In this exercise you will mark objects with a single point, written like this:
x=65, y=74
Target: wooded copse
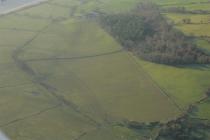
x=185, y=129
x=145, y=32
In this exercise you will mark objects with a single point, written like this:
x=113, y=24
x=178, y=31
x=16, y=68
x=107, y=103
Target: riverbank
x=23, y=6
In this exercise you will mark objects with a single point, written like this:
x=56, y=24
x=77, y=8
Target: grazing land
x=64, y=77
x=195, y=77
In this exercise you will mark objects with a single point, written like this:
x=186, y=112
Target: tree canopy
x=145, y=32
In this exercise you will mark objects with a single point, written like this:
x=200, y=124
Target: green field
x=64, y=77
x=177, y=2
x=186, y=84
x=204, y=44
x=76, y=80
x=191, y=81
x=177, y=18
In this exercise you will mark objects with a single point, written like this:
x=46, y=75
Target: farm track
x=74, y=58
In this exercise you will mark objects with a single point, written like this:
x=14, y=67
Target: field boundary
x=74, y=58
x=30, y=115
x=155, y=83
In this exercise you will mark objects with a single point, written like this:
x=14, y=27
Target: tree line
x=145, y=32
x=183, y=128
x=183, y=10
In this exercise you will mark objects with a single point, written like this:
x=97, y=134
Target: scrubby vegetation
x=185, y=129
x=145, y=32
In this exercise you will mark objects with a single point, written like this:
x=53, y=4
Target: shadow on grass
x=202, y=67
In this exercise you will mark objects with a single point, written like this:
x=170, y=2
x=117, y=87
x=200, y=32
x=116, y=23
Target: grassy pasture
x=107, y=87
x=118, y=5
x=69, y=3
x=108, y=6
x=6, y=52
x=47, y=11
x=195, y=18
x=124, y=96
x=177, y=2
x=59, y=123
x=21, y=23
x=115, y=94
x=188, y=6
x=199, y=26
x=110, y=84
x=195, y=30
x=25, y=105
x=203, y=110
x=17, y=37
x=43, y=10
x=61, y=40
x=204, y=6
x=116, y=133
x=203, y=44
x=8, y=71
x=22, y=100
x=190, y=82
x=185, y=84
x=87, y=7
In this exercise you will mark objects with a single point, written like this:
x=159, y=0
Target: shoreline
x=21, y=7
